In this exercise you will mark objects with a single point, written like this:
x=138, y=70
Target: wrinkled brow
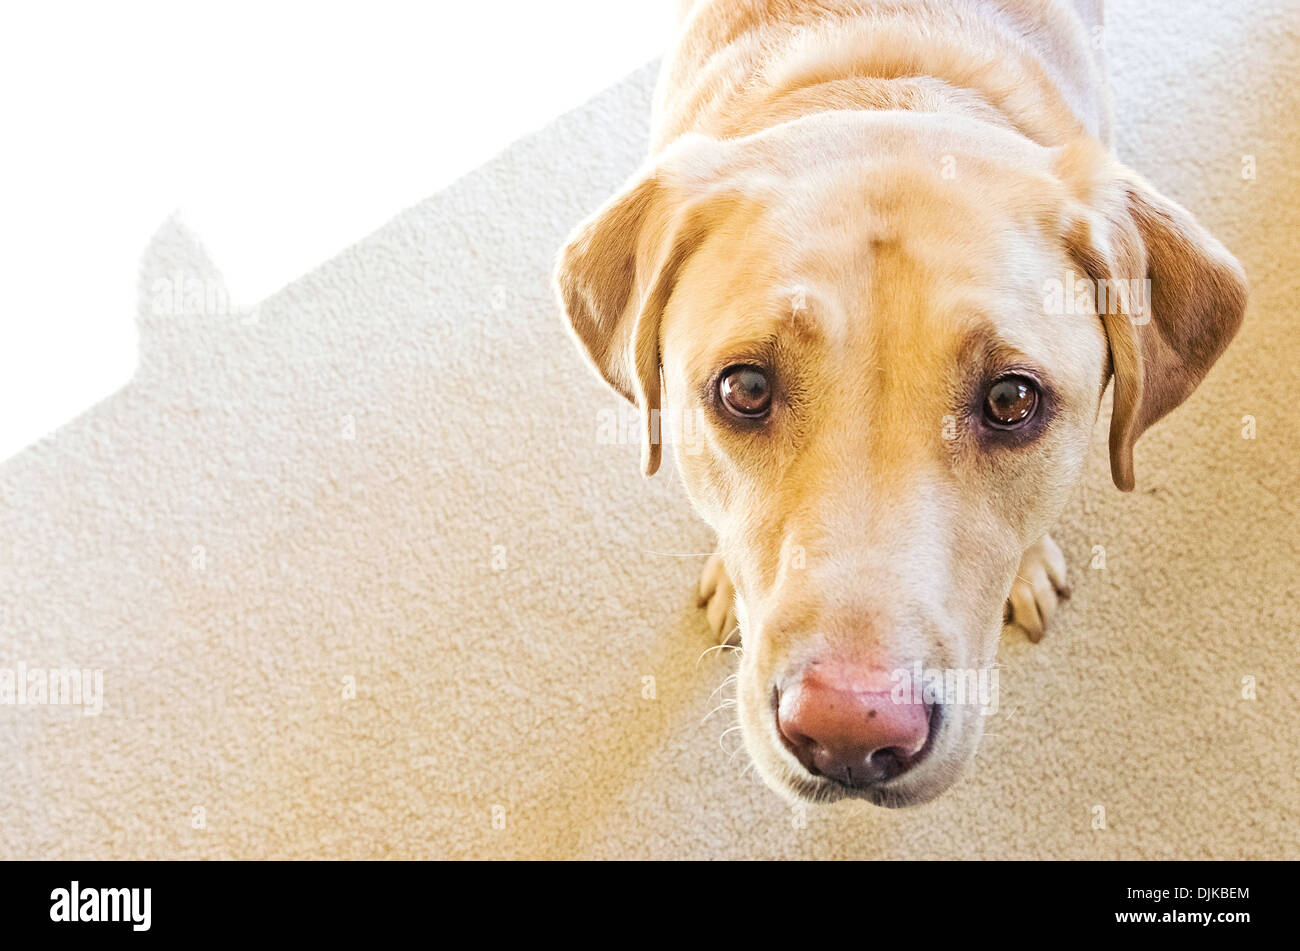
x=791, y=318
x=982, y=345
x=798, y=315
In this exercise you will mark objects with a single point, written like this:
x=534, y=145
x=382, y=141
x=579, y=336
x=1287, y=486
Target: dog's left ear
x=618, y=269
x=1169, y=295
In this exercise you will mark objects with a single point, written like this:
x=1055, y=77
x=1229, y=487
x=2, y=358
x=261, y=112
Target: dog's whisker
x=722, y=747
x=715, y=647
x=722, y=706
x=731, y=679
x=736, y=752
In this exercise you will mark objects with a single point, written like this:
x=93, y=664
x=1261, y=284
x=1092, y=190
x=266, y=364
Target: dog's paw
x=1038, y=589
x=718, y=598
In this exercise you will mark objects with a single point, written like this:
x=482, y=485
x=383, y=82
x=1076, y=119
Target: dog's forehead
x=892, y=285
x=911, y=265
x=886, y=254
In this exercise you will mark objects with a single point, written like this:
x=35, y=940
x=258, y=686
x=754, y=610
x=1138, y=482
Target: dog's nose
x=841, y=725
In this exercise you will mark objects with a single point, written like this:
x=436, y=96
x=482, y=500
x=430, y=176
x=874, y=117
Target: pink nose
x=844, y=724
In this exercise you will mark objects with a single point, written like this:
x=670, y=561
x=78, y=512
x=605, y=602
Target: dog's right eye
x=745, y=391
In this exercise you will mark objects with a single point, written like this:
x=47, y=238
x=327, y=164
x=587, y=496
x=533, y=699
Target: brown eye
x=1011, y=401
x=745, y=391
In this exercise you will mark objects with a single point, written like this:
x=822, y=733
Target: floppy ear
x=1169, y=295
x=614, y=278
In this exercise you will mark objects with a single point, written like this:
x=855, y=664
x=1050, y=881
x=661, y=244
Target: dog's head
x=889, y=337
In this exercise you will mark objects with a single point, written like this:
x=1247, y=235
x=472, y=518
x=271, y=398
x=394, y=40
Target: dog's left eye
x=1011, y=401
x=745, y=391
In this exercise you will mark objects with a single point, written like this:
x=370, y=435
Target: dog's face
x=872, y=332
x=883, y=419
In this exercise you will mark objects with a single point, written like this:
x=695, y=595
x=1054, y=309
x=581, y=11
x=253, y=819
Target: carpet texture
x=363, y=580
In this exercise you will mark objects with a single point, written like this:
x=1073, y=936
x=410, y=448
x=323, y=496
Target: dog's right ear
x=618, y=269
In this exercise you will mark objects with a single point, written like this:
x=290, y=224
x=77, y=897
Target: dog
x=883, y=254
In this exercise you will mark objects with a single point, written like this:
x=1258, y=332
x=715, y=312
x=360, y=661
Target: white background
x=281, y=131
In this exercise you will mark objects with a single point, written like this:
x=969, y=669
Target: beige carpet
x=391, y=473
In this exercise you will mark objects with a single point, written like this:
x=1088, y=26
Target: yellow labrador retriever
x=884, y=259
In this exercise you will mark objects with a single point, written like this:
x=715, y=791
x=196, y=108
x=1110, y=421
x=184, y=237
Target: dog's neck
x=1033, y=73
